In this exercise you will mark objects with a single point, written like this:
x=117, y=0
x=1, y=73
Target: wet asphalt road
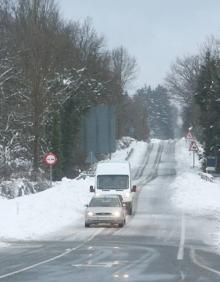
x=158, y=243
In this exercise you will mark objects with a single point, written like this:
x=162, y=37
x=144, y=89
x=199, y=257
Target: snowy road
x=159, y=243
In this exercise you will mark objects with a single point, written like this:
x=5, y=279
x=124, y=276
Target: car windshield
x=105, y=202
x=112, y=182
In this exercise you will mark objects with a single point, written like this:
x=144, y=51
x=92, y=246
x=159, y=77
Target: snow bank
x=191, y=193
x=124, y=147
x=32, y=216
x=196, y=196
x=4, y=245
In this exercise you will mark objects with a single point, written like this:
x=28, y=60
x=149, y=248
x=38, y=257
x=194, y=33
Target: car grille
x=103, y=213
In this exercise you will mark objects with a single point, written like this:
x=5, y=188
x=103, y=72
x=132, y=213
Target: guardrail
x=206, y=176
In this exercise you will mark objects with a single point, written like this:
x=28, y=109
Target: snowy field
x=192, y=194
x=32, y=216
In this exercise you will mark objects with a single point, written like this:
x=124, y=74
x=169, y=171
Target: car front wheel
x=122, y=224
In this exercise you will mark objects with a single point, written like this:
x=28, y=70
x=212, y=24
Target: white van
x=115, y=178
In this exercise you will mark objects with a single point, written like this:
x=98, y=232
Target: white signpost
x=50, y=159
x=194, y=148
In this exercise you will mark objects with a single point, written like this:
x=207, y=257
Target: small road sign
x=189, y=135
x=50, y=159
x=193, y=146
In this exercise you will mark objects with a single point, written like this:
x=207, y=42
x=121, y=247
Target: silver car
x=105, y=209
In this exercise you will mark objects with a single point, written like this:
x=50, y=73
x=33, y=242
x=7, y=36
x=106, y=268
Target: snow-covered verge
x=192, y=194
x=33, y=216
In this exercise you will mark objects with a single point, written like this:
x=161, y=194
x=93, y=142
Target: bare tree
x=182, y=79
x=124, y=67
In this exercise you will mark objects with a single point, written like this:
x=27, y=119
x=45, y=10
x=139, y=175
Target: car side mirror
x=92, y=189
x=134, y=188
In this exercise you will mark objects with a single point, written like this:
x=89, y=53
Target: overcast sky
x=154, y=31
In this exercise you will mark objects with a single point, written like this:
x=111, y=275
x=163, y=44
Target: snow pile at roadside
x=33, y=216
x=4, y=245
x=192, y=194
x=124, y=142
x=124, y=148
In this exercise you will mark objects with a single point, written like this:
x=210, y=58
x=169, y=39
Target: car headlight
x=116, y=214
x=90, y=213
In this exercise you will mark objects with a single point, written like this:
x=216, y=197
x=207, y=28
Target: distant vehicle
x=115, y=178
x=105, y=209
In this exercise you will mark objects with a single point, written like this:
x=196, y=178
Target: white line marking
x=180, y=253
x=68, y=251
x=103, y=264
x=182, y=276
x=195, y=261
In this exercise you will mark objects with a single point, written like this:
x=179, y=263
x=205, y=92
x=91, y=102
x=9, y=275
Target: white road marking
x=68, y=251
x=195, y=261
x=180, y=253
x=183, y=276
x=103, y=264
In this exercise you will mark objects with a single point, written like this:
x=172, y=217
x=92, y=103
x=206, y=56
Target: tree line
x=51, y=73
x=194, y=81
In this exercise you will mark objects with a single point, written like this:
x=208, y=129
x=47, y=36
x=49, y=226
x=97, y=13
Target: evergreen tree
x=207, y=97
x=159, y=111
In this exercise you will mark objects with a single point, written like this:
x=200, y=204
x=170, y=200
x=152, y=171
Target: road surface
x=158, y=243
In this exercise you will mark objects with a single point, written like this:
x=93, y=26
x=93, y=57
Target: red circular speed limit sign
x=50, y=159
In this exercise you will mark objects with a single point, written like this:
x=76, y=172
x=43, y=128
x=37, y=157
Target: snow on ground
x=30, y=217
x=138, y=155
x=33, y=216
x=191, y=193
x=4, y=245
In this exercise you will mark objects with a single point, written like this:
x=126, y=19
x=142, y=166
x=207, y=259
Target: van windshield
x=110, y=182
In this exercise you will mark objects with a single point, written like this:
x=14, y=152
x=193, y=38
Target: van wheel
x=87, y=224
x=121, y=224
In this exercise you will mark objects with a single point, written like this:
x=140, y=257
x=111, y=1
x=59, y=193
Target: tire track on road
x=151, y=172
x=146, y=158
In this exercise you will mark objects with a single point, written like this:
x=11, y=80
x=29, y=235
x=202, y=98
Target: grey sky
x=154, y=31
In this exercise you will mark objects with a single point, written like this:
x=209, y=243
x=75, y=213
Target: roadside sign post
x=194, y=148
x=50, y=159
x=51, y=175
x=193, y=159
